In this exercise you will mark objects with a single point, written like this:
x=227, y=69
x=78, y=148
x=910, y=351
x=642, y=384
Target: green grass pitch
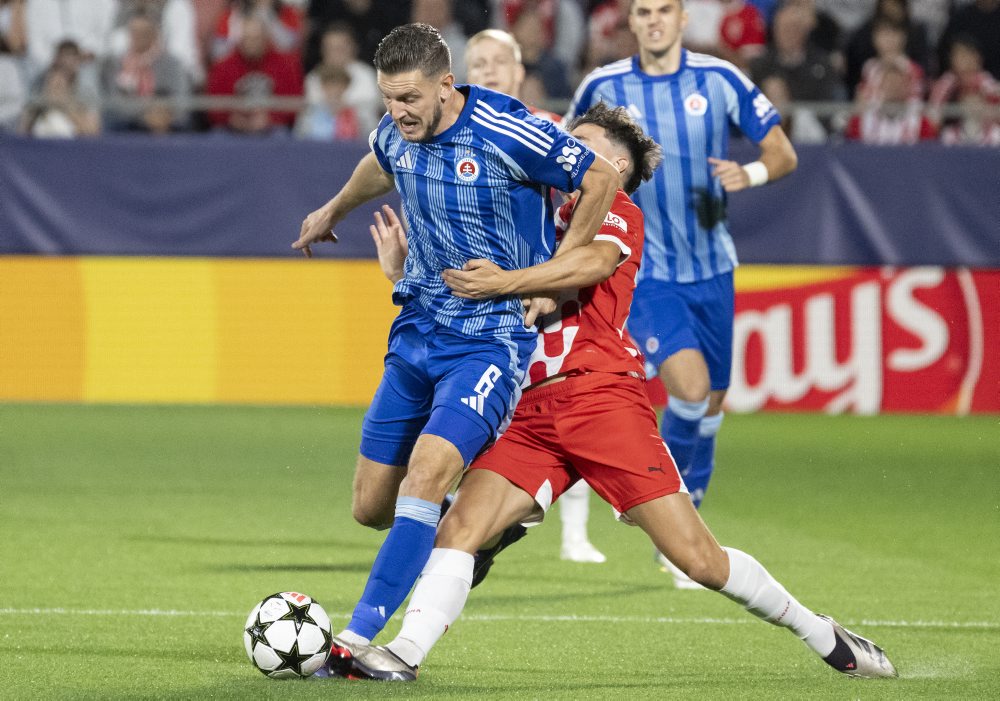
x=136, y=539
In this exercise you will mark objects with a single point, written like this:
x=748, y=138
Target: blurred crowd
x=876, y=71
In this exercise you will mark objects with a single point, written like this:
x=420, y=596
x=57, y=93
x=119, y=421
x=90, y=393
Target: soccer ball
x=287, y=635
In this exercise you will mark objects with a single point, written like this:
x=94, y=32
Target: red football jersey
x=586, y=332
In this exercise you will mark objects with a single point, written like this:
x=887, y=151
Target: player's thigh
x=376, y=486
x=713, y=307
x=685, y=375
x=609, y=432
x=677, y=531
x=435, y=465
x=661, y=322
x=484, y=506
x=477, y=389
x=398, y=412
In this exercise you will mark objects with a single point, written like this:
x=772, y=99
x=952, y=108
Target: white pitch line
x=676, y=620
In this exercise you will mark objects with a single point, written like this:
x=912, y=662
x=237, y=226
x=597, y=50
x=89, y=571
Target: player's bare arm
x=582, y=267
x=777, y=159
x=367, y=182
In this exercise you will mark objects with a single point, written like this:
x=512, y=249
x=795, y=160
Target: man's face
x=597, y=139
x=415, y=102
x=657, y=24
x=338, y=49
x=491, y=63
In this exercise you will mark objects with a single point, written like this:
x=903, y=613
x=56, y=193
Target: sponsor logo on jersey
x=405, y=162
x=467, y=170
x=616, y=221
x=696, y=105
x=569, y=156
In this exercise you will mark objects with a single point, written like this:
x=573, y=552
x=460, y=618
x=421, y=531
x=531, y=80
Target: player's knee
x=371, y=515
x=708, y=570
x=460, y=531
x=691, y=389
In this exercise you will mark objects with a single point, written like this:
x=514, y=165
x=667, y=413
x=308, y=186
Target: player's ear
x=446, y=86
x=621, y=164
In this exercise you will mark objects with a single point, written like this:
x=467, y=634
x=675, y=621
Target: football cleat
x=484, y=556
x=681, y=580
x=372, y=662
x=581, y=551
x=341, y=658
x=856, y=656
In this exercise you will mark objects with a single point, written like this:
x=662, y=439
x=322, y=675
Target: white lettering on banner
x=917, y=318
x=859, y=376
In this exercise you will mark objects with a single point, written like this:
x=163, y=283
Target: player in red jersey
x=493, y=59
x=585, y=416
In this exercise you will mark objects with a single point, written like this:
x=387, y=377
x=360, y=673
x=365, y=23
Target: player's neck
x=452, y=110
x=653, y=63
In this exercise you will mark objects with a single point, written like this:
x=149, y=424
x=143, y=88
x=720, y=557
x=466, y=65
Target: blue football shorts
x=667, y=317
x=438, y=381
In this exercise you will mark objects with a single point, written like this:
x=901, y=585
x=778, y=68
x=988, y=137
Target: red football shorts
x=599, y=427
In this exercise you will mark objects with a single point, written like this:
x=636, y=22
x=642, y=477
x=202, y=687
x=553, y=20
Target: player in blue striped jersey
x=682, y=313
x=473, y=168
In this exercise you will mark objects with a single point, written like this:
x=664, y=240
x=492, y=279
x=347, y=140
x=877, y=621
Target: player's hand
x=731, y=174
x=478, y=279
x=316, y=227
x=390, y=242
x=537, y=306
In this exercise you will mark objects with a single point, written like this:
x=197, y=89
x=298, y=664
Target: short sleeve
x=621, y=227
x=376, y=141
x=753, y=113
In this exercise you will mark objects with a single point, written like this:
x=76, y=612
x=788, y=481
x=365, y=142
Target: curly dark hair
x=411, y=47
x=644, y=153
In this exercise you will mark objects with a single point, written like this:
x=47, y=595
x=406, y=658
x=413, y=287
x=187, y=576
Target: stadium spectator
x=805, y=69
x=13, y=27
x=13, y=79
x=369, y=19
x=609, y=38
x=864, y=44
x=702, y=31
x=800, y=123
x=454, y=366
x=968, y=85
x=255, y=72
x=438, y=14
x=529, y=31
x=889, y=38
x=178, y=32
x=848, y=14
x=682, y=312
x=84, y=74
x=560, y=433
x=283, y=22
x=145, y=70
x=88, y=24
x=826, y=33
x=742, y=32
x=494, y=61
x=56, y=112
x=339, y=49
x=980, y=20
x=895, y=118
x=561, y=32
x=334, y=118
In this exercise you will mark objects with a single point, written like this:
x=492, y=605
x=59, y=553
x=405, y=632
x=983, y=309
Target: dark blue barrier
x=222, y=196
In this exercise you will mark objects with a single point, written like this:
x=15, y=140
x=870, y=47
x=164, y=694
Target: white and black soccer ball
x=287, y=635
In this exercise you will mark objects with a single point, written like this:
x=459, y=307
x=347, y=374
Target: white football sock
x=574, y=509
x=437, y=600
x=752, y=586
x=349, y=636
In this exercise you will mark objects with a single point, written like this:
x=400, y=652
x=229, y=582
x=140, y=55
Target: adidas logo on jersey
x=476, y=402
x=634, y=112
x=405, y=161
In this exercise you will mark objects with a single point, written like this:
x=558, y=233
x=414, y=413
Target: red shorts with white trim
x=599, y=427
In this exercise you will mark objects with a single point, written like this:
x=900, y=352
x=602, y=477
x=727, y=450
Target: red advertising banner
x=866, y=340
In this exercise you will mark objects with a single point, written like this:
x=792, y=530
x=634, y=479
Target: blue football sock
x=680, y=430
x=703, y=461
x=399, y=562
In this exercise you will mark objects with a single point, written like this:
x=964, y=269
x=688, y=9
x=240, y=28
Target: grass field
x=136, y=539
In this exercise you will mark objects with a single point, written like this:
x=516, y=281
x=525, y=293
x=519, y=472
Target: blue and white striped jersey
x=688, y=113
x=478, y=190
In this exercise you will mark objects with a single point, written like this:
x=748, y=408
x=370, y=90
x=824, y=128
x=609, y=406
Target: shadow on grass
x=290, y=567
x=251, y=542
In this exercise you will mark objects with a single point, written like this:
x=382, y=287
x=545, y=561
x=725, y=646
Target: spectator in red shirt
x=255, y=71
x=968, y=84
x=742, y=33
x=283, y=23
x=896, y=118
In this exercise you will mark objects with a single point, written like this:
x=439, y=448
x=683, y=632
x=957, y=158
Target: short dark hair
x=412, y=47
x=618, y=125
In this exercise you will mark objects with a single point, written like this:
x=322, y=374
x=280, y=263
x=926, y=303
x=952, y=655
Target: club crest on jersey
x=695, y=104
x=467, y=169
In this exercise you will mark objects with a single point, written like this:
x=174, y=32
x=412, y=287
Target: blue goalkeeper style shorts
x=438, y=381
x=667, y=317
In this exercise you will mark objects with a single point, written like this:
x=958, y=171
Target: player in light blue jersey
x=473, y=168
x=682, y=312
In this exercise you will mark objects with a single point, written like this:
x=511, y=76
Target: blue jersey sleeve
x=752, y=112
x=535, y=150
x=377, y=140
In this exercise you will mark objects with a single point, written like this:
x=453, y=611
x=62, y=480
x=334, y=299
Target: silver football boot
x=856, y=656
x=374, y=662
